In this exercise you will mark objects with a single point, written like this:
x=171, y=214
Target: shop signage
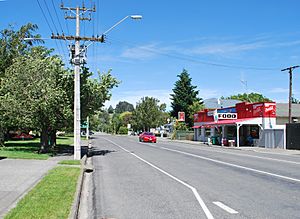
x=181, y=116
x=227, y=115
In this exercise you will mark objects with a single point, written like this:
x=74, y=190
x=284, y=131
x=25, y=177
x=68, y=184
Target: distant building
x=283, y=113
x=215, y=103
x=243, y=124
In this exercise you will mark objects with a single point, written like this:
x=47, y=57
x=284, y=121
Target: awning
x=249, y=121
x=196, y=127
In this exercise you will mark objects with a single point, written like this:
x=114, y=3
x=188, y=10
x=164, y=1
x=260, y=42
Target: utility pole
x=77, y=61
x=290, y=69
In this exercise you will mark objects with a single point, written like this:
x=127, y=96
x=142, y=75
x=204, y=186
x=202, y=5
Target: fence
x=184, y=135
x=293, y=136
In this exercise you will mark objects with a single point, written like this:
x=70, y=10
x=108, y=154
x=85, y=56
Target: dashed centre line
x=194, y=190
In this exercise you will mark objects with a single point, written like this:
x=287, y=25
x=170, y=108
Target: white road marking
x=195, y=192
x=242, y=155
x=226, y=208
x=254, y=156
x=235, y=165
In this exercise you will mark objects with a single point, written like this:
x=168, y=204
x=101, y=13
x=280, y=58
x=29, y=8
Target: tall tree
x=184, y=95
x=252, y=97
x=12, y=45
x=124, y=106
x=110, y=109
x=32, y=95
x=147, y=114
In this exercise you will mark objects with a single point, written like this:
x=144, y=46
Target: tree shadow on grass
x=32, y=147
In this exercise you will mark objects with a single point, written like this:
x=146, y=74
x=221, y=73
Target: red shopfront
x=241, y=124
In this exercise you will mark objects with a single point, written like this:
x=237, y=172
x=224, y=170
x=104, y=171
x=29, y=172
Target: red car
x=147, y=137
x=22, y=136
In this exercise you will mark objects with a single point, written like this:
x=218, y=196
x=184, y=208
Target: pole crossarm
x=63, y=37
x=80, y=9
x=291, y=68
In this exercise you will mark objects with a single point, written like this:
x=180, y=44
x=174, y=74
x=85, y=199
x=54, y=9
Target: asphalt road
x=179, y=180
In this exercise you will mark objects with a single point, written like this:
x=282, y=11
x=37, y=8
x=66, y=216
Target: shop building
x=245, y=124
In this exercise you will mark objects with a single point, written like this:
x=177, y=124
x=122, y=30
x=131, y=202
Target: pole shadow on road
x=93, y=152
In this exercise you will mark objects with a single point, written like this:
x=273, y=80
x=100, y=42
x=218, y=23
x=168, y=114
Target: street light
x=134, y=17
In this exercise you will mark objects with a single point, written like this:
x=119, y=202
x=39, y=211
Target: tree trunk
x=44, y=140
x=2, y=134
x=52, y=138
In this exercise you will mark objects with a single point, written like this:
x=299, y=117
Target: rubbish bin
x=214, y=140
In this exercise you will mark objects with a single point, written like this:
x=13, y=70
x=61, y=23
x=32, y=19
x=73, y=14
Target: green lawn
x=51, y=198
x=29, y=149
x=70, y=162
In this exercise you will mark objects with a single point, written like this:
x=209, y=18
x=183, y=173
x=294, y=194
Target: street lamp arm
x=136, y=17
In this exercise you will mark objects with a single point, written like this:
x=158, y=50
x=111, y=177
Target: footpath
x=19, y=176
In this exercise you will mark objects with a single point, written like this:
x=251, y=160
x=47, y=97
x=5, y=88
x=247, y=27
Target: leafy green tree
x=110, y=109
x=12, y=45
x=32, y=95
x=195, y=107
x=252, y=97
x=124, y=106
x=116, y=123
x=147, y=114
x=184, y=95
x=93, y=92
x=126, y=118
x=100, y=121
x=295, y=100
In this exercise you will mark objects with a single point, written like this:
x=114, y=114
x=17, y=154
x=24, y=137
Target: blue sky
x=220, y=43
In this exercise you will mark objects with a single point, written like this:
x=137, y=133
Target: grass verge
x=29, y=149
x=51, y=198
x=70, y=162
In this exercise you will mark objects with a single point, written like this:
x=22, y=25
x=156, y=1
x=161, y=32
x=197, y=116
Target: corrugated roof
x=215, y=103
x=282, y=110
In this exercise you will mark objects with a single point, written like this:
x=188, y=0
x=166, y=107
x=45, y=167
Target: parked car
x=22, y=136
x=147, y=137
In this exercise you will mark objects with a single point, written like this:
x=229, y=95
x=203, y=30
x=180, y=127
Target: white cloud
x=279, y=90
x=140, y=52
x=224, y=48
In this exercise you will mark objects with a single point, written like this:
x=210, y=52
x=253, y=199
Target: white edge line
x=195, y=192
x=234, y=165
x=226, y=208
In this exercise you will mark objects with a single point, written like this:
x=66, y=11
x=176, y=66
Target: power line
x=192, y=59
x=50, y=16
x=57, y=16
x=66, y=23
x=44, y=15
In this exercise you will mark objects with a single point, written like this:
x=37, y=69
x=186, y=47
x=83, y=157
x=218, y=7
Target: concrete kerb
x=74, y=210
x=86, y=167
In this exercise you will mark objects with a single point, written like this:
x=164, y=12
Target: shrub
x=123, y=130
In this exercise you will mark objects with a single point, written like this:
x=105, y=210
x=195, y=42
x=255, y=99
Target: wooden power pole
x=290, y=69
x=77, y=60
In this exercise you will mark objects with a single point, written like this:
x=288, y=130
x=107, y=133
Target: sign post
x=181, y=116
